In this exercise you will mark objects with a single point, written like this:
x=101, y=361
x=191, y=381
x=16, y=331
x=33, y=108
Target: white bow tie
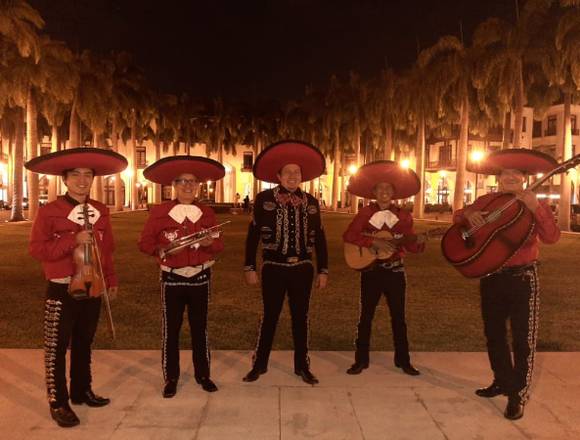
x=76, y=214
x=180, y=212
x=384, y=217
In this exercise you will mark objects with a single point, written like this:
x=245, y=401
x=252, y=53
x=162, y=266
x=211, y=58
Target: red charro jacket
x=161, y=229
x=52, y=240
x=402, y=226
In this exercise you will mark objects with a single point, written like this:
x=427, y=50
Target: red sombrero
x=523, y=159
x=165, y=170
x=405, y=182
x=102, y=162
x=274, y=157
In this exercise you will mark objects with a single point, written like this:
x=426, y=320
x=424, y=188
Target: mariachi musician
x=287, y=221
x=384, y=181
x=59, y=233
x=186, y=273
x=512, y=293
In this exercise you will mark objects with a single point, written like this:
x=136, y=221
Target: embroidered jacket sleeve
x=45, y=244
x=320, y=245
x=253, y=237
x=548, y=230
x=359, y=224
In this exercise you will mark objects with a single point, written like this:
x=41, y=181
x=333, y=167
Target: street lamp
x=405, y=164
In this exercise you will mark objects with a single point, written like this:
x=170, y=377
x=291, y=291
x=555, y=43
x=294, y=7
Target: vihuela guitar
x=360, y=258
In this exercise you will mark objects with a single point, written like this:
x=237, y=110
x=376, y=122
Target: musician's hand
x=529, y=198
x=112, y=291
x=321, y=280
x=251, y=277
x=476, y=218
x=381, y=244
x=84, y=237
x=207, y=241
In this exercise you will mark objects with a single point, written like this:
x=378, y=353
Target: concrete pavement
x=381, y=403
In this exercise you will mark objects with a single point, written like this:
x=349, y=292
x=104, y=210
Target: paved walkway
x=381, y=403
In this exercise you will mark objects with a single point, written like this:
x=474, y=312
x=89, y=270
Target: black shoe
x=408, y=369
x=64, y=416
x=357, y=368
x=491, y=391
x=170, y=388
x=514, y=409
x=254, y=374
x=306, y=376
x=91, y=399
x=207, y=384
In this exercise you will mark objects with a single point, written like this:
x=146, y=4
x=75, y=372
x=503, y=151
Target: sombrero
x=523, y=159
x=404, y=181
x=165, y=170
x=102, y=162
x=275, y=156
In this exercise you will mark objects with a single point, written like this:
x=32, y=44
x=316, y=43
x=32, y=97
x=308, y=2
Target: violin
x=88, y=280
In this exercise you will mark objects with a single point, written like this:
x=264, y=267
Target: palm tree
x=19, y=24
x=451, y=66
x=562, y=68
x=334, y=123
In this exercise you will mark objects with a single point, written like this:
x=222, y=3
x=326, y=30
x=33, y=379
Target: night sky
x=272, y=49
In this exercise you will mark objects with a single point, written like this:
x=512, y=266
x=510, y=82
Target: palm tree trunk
x=519, y=111
x=219, y=185
x=419, y=204
x=354, y=199
x=157, y=186
x=17, y=170
x=388, y=152
x=134, y=189
x=506, y=130
x=32, y=147
x=335, y=171
x=565, y=182
x=52, y=181
x=461, y=155
x=97, y=189
x=119, y=198
x=74, y=131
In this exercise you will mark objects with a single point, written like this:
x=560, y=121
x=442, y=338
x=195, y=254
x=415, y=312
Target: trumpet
x=189, y=240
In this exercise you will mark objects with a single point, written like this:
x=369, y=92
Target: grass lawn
x=442, y=307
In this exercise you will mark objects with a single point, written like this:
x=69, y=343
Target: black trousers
x=67, y=319
x=511, y=296
x=177, y=293
x=277, y=281
x=392, y=284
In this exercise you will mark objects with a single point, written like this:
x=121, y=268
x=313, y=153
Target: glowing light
x=352, y=169
x=138, y=184
x=443, y=174
x=468, y=191
x=476, y=155
x=540, y=175
x=208, y=183
x=128, y=173
x=405, y=164
x=3, y=169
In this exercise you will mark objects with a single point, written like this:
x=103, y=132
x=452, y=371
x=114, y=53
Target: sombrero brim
x=523, y=159
x=274, y=157
x=102, y=162
x=405, y=181
x=165, y=170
